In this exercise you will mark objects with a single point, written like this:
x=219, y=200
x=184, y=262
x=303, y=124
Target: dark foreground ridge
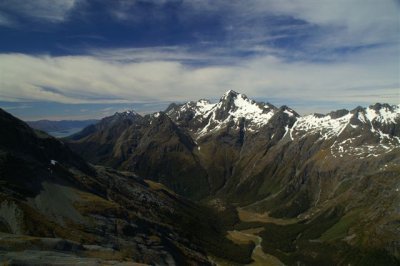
x=56, y=208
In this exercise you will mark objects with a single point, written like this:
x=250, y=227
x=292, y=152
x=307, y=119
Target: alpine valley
x=236, y=182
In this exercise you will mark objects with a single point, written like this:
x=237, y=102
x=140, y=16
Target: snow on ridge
x=326, y=125
x=243, y=107
x=288, y=112
x=370, y=114
x=233, y=107
x=127, y=112
x=362, y=117
x=384, y=114
x=256, y=114
x=251, y=111
x=330, y=127
x=203, y=107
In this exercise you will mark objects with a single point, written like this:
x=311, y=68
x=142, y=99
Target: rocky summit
x=227, y=183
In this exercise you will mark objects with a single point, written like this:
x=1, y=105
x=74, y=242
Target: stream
x=260, y=258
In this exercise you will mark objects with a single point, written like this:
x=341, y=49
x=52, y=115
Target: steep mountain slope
x=233, y=132
x=152, y=146
x=332, y=169
x=339, y=170
x=246, y=147
x=56, y=207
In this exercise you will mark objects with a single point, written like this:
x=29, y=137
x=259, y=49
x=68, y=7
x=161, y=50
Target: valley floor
x=260, y=258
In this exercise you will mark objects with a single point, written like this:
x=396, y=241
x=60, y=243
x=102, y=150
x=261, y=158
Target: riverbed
x=259, y=257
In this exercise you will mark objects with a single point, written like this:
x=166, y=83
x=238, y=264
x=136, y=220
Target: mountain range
x=228, y=182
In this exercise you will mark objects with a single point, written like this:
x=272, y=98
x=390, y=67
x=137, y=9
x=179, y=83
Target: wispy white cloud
x=107, y=109
x=5, y=20
x=161, y=53
x=366, y=76
x=46, y=10
x=314, y=28
x=348, y=52
x=329, y=24
x=354, y=22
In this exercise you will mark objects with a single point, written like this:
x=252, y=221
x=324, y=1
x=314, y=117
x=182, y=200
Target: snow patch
x=251, y=111
x=383, y=115
x=288, y=113
x=325, y=125
x=203, y=107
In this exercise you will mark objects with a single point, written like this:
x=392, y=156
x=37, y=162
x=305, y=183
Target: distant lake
x=64, y=133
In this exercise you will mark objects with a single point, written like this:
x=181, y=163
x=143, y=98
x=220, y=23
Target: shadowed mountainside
x=55, y=206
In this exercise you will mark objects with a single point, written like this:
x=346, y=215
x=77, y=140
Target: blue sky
x=78, y=59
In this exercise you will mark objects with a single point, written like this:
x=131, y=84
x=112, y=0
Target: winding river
x=244, y=236
x=260, y=258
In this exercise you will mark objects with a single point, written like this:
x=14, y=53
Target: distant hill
x=61, y=128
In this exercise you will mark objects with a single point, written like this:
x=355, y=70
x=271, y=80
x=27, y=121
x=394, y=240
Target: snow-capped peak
x=334, y=123
x=383, y=113
x=232, y=107
x=238, y=112
x=229, y=93
x=363, y=131
x=127, y=113
x=242, y=107
x=119, y=116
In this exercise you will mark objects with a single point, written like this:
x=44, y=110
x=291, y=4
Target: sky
x=80, y=59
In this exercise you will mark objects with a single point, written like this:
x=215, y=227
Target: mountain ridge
x=286, y=165
x=234, y=114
